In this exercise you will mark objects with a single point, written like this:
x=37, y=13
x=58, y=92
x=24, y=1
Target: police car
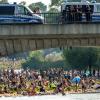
x=15, y=13
x=93, y=5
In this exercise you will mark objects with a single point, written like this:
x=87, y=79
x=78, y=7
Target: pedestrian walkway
x=58, y=97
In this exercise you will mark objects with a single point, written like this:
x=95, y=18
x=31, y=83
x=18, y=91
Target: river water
x=57, y=97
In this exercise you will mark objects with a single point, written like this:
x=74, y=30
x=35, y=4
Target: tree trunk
x=93, y=72
x=90, y=70
x=72, y=73
x=98, y=72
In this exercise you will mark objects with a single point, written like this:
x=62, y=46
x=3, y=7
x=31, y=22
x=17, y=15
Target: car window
x=23, y=11
x=98, y=8
x=7, y=10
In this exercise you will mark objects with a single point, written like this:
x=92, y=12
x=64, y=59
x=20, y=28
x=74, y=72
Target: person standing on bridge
x=79, y=13
x=37, y=11
x=72, y=13
x=88, y=13
x=67, y=13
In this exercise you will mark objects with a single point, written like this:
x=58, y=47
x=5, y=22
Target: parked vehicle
x=89, y=11
x=15, y=13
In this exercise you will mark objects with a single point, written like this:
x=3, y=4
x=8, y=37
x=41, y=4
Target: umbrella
x=76, y=79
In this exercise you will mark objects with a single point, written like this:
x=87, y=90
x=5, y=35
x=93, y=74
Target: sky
x=47, y=2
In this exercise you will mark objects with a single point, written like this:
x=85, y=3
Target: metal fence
x=60, y=18
x=52, y=18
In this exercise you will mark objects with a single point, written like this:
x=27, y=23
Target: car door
x=23, y=15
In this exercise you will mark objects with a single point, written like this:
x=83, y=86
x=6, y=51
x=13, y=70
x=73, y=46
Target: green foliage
x=53, y=10
x=56, y=2
x=53, y=16
x=97, y=64
x=32, y=63
x=36, y=61
x=56, y=64
x=92, y=55
x=37, y=54
x=22, y=3
x=80, y=58
x=75, y=58
x=40, y=5
x=4, y=1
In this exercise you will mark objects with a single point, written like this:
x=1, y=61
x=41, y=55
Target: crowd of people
x=76, y=13
x=52, y=81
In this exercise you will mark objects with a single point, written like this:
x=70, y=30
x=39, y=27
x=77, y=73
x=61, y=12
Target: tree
x=37, y=54
x=92, y=55
x=53, y=64
x=81, y=58
x=97, y=66
x=56, y=2
x=34, y=60
x=32, y=63
x=22, y=3
x=4, y=1
x=53, y=10
x=40, y=5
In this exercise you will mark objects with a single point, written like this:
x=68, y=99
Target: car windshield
x=98, y=8
x=7, y=10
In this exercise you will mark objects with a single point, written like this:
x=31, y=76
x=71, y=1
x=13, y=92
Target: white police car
x=15, y=13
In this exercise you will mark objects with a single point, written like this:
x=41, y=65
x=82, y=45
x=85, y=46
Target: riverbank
x=42, y=94
x=91, y=96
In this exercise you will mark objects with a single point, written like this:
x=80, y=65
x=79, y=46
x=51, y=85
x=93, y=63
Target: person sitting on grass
x=31, y=89
x=83, y=85
x=60, y=88
x=76, y=80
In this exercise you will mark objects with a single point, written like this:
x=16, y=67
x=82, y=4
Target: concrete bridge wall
x=27, y=37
